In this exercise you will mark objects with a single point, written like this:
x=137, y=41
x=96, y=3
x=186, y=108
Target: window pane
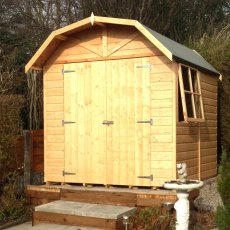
x=185, y=77
x=180, y=107
x=194, y=81
x=197, y=100
x=188, y=98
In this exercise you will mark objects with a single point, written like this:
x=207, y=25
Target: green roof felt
x=183, y=54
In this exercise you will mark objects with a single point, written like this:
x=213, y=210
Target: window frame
x=191, y=92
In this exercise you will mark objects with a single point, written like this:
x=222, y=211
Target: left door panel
x=84, y=112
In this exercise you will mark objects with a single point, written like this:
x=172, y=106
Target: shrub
x=151, y=218
x=224, y=179
x=223, y=212
x=222, y=217
x=11, y=201
x=10, y=129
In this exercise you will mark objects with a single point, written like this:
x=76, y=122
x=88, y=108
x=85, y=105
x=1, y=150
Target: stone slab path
x=28, y=226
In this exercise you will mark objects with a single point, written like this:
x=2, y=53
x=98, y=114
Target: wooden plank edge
x=66, y=219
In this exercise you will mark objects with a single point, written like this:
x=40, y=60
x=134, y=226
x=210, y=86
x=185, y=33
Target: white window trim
x=183, y=100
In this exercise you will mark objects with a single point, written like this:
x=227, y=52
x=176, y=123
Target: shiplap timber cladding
x=111, y=107
x=208, y=129
x=197, y=143
x=53, y=129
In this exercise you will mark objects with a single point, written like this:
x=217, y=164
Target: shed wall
x=163, y=131
x=53, y=129
x=197, y=142
x=208, y=129
x=187, y=143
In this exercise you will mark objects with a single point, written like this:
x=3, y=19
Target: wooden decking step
x=82, y=214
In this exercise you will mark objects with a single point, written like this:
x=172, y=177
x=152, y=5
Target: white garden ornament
x=182, y=187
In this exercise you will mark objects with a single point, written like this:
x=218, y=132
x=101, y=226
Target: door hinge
x=67, y=71
x=67, y=122
x=146, y=122
x=67, y=173
x=146, y=177
x=148, y=66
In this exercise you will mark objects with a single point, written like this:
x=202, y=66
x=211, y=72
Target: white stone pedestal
x=182, y=205
x=182, y=210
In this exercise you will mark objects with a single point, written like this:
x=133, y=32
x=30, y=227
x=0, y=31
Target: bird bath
x=182, y=187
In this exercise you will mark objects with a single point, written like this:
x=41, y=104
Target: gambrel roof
x=171, y=49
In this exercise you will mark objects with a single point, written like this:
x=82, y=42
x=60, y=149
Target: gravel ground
x=209, y=198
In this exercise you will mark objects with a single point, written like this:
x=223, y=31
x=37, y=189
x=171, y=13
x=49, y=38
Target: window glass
x=180, y=107
x=197, y=100
x=194, y=81
x=188, y=99
x=185, y=77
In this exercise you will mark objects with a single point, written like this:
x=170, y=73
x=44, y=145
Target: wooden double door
x=107, y=120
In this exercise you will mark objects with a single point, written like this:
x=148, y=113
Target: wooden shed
x=123, y=104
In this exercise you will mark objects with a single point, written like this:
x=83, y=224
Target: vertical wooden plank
x=112, y=142
x=130, y=125
x=146, y=116
x=79, y=103
x=27, y=153
x=143, y=151
x=138, y=117
x=123, y=122
x=45, y=117
x=97, y=173
x=109, y=161
x=70, y=114
x=175, y=89
x=88, y=119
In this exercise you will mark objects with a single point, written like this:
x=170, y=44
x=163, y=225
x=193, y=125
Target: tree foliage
x=10, y=128
x=216, y=49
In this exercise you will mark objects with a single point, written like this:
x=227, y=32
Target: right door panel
x=128, y=106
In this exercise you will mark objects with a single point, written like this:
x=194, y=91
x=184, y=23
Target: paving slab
x=86, y=209
x=28, y=226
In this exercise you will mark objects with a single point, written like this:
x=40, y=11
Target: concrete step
x=82, y=214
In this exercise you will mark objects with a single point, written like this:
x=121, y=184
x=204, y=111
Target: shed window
x=190, y=98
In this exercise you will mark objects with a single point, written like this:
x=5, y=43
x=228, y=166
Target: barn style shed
x=123, y=104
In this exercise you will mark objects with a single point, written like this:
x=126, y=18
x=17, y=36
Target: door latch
x=67, y=71
x=148, y=66
x=105, y=122
x=146, y=177
x=67, y=122
x=67, y=173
